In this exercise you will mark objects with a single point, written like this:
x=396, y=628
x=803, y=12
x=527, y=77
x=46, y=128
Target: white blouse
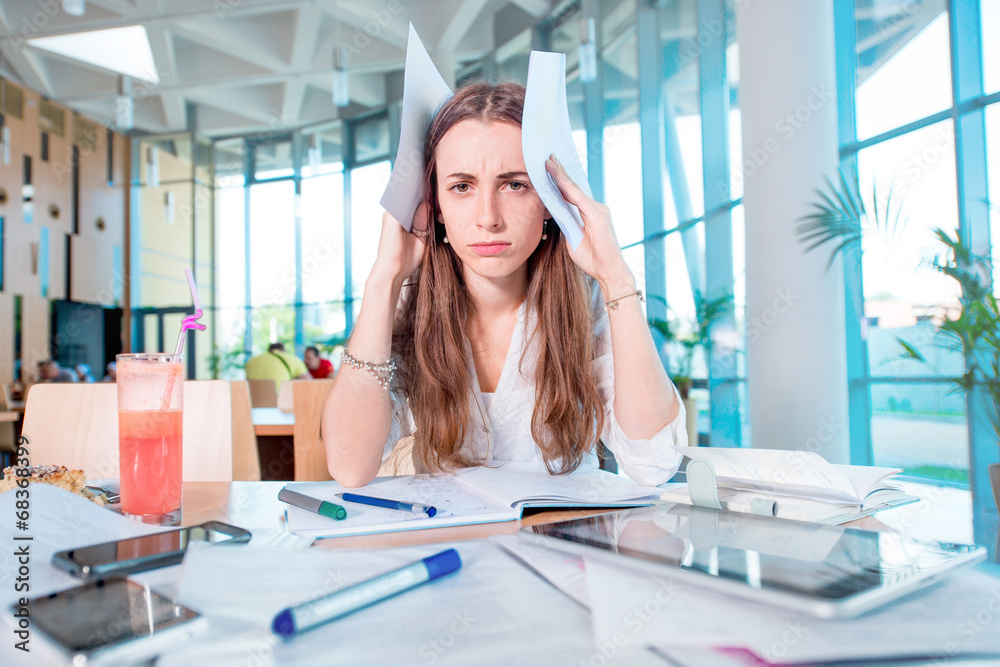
x=501, y=428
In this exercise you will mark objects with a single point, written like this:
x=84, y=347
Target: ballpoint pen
x=323, y=507
x=414, y=508
x=296, y=620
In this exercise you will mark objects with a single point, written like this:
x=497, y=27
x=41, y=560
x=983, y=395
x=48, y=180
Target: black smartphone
x=112, y=621
x=144, y=553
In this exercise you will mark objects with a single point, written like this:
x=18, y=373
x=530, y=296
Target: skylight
x=122, y=50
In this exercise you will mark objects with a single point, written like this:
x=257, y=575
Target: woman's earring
x=545, y=229
x=446, y=240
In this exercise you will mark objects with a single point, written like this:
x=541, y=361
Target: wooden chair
x=76, y=425
x=246, y=461
x=263, y=394
x=8, y=440
x=310, y=456
x=286, y=395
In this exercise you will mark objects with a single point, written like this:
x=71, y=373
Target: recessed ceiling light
x=121, y=50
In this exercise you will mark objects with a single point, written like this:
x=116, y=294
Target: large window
x=993, y=170
x=903, y=63
x=990, y=21
x=272, y=262
x=905, y=152
x=367, y=185
x=903, y=292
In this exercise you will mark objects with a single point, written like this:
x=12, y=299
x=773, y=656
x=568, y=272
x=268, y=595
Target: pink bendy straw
x=191, y=321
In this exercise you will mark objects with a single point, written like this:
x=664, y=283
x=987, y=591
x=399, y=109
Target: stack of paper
x=493, y=611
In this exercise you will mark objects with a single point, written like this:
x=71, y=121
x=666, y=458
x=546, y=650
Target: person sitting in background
x=111, y=372
x=319, y=367
x=51, y=372
x=83, y=373
x=277, y=365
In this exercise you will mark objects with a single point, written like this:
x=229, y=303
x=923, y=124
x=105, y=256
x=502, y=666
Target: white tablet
x=820, y=570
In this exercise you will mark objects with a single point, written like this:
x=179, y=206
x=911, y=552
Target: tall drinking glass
x=150, y=422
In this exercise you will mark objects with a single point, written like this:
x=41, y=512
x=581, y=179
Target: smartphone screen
x=105, y=614
x=144, y=553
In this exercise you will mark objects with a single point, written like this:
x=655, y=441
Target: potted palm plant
x=841, y=216
x=686, y=338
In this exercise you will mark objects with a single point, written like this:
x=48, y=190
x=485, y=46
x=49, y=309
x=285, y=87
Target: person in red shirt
x=318, y=367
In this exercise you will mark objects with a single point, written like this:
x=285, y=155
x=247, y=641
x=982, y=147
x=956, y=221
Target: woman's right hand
x=399, y=251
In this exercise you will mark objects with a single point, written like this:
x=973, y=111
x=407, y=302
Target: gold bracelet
x=613, y=303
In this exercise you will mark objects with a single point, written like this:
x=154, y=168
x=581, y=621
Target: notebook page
x=515, y=485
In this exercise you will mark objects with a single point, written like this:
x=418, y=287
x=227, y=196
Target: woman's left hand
x=598, y=253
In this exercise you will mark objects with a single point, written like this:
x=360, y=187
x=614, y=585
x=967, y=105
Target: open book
x=795, y=485
x=474, y=495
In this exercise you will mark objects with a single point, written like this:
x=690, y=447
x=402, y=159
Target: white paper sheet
x=564, y=571
x=424, y=91
x=545, y=129
x=57, y=520
x=492, y=612
x=670, y=615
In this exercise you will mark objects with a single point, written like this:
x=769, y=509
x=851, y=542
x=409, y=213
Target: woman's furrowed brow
x=464, y=176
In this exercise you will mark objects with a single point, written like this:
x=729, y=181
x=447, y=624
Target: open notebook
x=795, y=485
x=475, y=495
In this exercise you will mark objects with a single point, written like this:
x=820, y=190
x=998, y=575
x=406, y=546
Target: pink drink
x=150, y=427
x=149, y=446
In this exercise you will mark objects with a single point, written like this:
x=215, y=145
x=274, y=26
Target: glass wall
x=900, y=44
x=990, y=22
x=993, y=171
x=905, y=154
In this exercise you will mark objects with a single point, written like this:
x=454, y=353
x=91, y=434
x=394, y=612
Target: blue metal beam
x=858, y=389
x=726, y=429
x=974, y=228
x=651, y=140
x=593, y=110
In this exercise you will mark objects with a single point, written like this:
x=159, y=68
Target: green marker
x=316, y=505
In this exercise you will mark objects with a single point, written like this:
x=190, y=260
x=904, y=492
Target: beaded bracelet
x=613, y=303
x=381, y=372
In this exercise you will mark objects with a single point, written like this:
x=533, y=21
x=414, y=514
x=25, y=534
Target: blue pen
x=296, y=620
x=415, y=508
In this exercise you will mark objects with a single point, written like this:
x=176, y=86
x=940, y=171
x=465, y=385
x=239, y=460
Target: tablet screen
x=813, y=562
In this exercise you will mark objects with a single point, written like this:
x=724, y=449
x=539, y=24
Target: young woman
x=507, y=345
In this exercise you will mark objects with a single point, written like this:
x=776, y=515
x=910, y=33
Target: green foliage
x=223, y=362
x=842, y=216
x=697, y=334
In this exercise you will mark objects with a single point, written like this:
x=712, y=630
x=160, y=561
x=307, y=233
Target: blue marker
x=296, y=620
x=415, y=508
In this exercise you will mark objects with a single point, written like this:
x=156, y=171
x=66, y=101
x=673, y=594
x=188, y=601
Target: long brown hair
x=431, y=328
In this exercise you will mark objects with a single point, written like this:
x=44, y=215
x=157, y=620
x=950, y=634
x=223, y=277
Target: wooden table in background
x=272, y=421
